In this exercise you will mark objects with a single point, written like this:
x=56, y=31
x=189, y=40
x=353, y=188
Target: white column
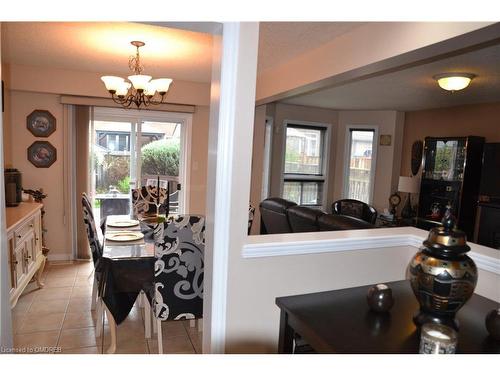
x=229, y=168
x=5, y=318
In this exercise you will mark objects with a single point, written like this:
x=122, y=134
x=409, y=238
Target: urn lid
x=447, y=240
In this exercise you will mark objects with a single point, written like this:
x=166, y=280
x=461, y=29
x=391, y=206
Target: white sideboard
x=24, y=243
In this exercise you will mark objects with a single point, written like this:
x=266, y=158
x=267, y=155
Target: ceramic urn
x=442, y=276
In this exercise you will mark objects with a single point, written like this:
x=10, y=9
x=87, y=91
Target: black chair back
x=273, y=213
x=179, y=268
x=90, y=227
x=251, y=214
x=144, y=199
x=356, y=209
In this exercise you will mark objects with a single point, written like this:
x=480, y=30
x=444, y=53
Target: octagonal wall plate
x=41, y=123
x=42, y=154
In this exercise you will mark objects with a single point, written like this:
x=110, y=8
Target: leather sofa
x=282, y=216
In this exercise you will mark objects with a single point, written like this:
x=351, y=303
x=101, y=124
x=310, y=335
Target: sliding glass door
x=130, y=149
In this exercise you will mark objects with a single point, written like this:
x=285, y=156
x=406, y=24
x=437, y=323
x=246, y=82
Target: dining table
x=126, y=269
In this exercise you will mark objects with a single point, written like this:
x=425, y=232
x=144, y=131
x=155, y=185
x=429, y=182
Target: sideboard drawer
x=24, y=230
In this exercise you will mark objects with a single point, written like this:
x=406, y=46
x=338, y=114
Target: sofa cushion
x=304, y=219
x=341, y=222
x=273, y=213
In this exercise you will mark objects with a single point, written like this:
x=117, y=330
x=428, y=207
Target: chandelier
x=141, y=90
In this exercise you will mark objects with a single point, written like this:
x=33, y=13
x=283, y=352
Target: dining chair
x=251, y=214
x=144, y=199
x=95, y=244
x=178, y=271
x=355, y=208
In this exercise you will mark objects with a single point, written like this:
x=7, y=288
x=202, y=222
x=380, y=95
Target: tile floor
x=59, y=316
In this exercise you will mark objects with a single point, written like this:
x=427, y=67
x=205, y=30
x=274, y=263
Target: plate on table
x=124, y=223
x=124, y=236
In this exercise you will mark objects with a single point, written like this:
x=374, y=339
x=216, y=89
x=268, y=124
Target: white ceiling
x=104, y=47
x=281, y=41
x=413, y=88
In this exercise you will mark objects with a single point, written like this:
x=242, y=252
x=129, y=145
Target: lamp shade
x=112, y=83
x=454, y=81
x=162, y=84
x=408, y=184
x=140, y=81
x=150, y=89
x=123, y=88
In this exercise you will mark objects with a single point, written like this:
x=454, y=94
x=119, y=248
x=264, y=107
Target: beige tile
x=130, y=347
x=59, y=282
x=85, y=350
x=51, y=294
x=82, y=292
x=172, y=345
x=22, y=307
x=84, y=281
x=80, y=319
x=197, y=341
x=191, y=330
x=43, y=322
x=78, y=338
x=36, y=340
x=172, y=329
x=47, y=307
x=125, y=332
x=17, y=322
x=79, y=304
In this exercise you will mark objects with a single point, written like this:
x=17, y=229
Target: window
x=359, y=166
x=304, y=167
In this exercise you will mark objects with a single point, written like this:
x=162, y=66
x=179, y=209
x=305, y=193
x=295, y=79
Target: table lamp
x=408, y=185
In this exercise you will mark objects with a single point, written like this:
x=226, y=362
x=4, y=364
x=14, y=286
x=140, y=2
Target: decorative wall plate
x=42, y=154
x=41, y=123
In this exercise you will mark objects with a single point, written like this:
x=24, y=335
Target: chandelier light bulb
x=123, y=89
x=454, y=81
x=112, y=83
x=162, y=85
x=139, y=81
x=141, y=90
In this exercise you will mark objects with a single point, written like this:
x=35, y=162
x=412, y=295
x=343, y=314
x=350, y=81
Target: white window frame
x=266, y=163
x=347, y=158
x=326, y=154
x=185, y=119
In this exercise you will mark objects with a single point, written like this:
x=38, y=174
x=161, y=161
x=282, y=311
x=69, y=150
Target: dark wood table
x=340, y=321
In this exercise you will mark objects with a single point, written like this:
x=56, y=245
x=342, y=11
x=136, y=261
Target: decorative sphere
x=379, y=298
x=493, y=323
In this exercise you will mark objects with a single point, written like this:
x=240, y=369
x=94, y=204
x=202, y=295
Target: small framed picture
x=41, y=123
x=42, y=154
x=385, y=140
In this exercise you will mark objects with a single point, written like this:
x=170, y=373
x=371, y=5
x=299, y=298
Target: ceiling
x=414, y=88
x=281, y=41
x=104, y=47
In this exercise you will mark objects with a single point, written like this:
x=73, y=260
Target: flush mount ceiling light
x=454, y=81
x=141, y=90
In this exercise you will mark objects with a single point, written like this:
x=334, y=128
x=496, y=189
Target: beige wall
x=388, y=157
x=259, y=129
x=42, y=94
x=475, y=119
x=252, y=315
x=199, y=155
x=50, y=179
x=298, y=113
